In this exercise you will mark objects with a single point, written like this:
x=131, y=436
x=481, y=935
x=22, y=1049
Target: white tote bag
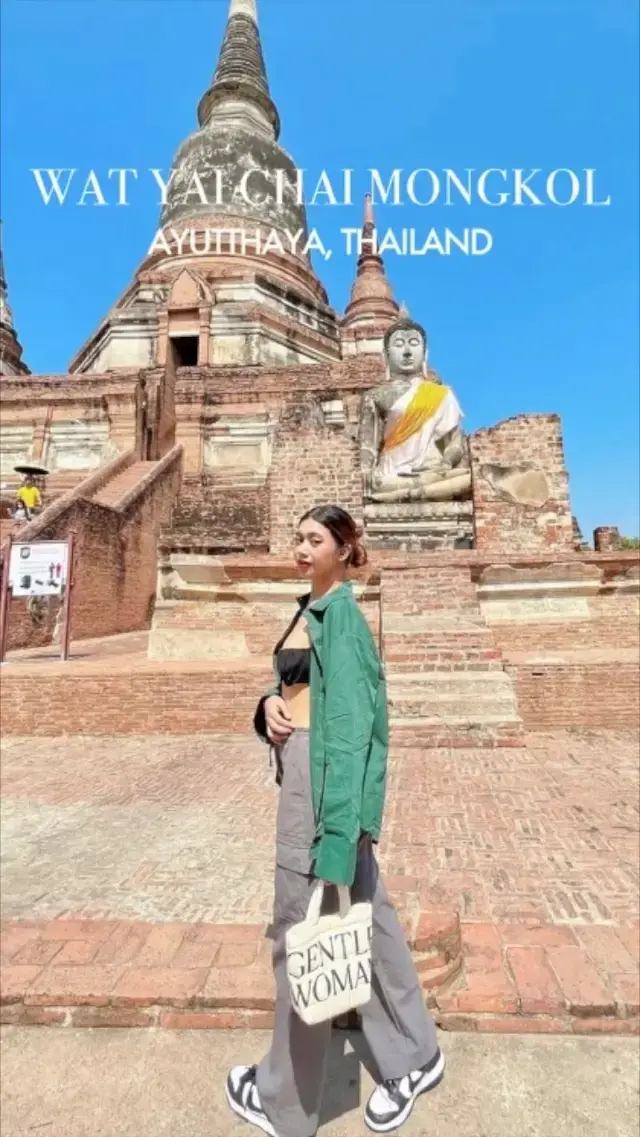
x=329, y=959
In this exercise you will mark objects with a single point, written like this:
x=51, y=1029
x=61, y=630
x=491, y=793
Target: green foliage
x=630, y=542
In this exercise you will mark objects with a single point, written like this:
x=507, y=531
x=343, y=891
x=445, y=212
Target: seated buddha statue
x=412, y=447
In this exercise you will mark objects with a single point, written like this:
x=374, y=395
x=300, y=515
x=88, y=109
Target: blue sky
x=546, y=322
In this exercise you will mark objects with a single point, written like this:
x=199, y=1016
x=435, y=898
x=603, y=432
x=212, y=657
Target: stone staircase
x=446, y=681
x=61, y=481
x=121, y=485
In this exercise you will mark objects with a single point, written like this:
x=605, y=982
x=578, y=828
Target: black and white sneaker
x=244, y=1099
x=392, y=1101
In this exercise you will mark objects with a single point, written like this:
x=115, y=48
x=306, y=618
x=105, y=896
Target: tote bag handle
x=315, y=904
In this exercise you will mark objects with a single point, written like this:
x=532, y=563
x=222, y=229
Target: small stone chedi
x=412, y=446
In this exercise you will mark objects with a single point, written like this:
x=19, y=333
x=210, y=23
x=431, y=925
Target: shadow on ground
x=124, y=1083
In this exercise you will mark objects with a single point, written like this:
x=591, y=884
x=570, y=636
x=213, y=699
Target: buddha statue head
x=406, y=348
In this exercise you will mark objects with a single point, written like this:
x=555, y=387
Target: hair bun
x=359, y=556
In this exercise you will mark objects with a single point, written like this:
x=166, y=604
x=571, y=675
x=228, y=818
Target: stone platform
x=419, y=526
x=137, y=877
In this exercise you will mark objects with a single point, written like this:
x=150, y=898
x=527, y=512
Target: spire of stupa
x=241, y=75
x=372, y=298
x=6, y=319
x=239, y=127
x=11, y=362
x=244, y=8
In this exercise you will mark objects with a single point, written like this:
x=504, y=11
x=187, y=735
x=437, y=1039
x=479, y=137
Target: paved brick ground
x=174, y=828
x=548, y=833
x=536, y=847
x=145, y=828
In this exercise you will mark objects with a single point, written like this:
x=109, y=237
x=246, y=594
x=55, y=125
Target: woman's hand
x=278, y=719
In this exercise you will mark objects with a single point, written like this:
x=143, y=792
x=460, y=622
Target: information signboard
x=39, y=568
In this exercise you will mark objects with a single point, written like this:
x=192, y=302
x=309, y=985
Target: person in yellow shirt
x=28, y=496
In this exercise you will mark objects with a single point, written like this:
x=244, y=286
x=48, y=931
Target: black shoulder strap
x=288, y=631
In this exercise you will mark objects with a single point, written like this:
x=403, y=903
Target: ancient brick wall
x=43, y=401
x=429, y=587
x=219, y=385
x=585, y=693
x=598, y=623
x=521, y=487
x=312, y=464
x=116, y=562
x=231, y=518
x=589, y=602
x=187, y=698
x=94, y=698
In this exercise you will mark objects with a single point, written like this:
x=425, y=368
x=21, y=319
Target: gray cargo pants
x=397, y=1026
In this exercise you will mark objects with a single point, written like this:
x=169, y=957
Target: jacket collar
x=322, y=603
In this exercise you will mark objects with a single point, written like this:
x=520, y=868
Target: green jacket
x=349, y=732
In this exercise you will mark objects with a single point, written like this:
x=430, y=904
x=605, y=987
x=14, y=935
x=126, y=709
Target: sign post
x=5, y=597
x=66, y=630
x=37, y=568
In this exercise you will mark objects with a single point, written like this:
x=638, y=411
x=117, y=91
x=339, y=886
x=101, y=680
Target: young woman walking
x=326, y=720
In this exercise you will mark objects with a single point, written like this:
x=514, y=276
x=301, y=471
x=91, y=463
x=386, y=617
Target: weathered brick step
x=451, y=716
x=453, y=697
x=515, y=978
x=440, y=684
x=449, y=654
x=450, y=709
x=546, y=978
x=467, y=736
x=128, y=973
x=396, y=663
x=485, y=733
x=123, y=483
x=464, y=702
x=454, y=640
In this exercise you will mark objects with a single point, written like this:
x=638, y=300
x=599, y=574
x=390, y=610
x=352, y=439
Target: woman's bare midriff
x=299, y=703
x=298, y=698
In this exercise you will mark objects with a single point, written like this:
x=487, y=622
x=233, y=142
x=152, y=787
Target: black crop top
x=294, y=665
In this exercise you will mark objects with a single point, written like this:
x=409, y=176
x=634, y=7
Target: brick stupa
x=222, y=394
